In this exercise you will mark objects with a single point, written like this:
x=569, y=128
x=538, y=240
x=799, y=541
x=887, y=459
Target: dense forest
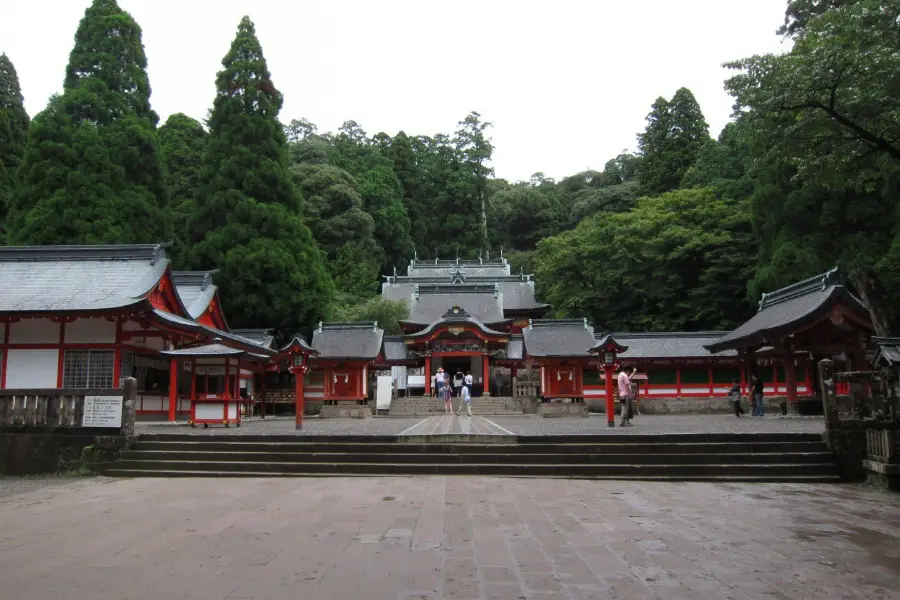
x=683, y=234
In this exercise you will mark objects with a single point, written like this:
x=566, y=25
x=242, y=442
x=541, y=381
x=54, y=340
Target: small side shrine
x=345, y=354
x=562, y=348
x=215, y=374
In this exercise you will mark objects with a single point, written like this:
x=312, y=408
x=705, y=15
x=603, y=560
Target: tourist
x=465, y=398
x=735, y=393
x=440, y=378
x=448, y=402
x=458, y=383
x=756, y=392
x=468, y=382
x=625, y=395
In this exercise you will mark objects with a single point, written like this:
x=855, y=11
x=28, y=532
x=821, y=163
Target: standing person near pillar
x=440, y=378
x=624, y=381
x=468, y=380
x=756, y=392
x=458, y=383
x=434, y=385
x=465, y=399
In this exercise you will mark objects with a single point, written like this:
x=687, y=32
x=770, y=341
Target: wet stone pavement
x=519, y=425
x=447, y=538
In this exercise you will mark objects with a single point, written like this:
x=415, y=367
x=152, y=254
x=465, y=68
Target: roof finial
x=457, y=254
x=501, y=251
x=415, y=255
x=375, y=328
x=320, y=326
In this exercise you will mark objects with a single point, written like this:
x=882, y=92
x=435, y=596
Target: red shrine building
x=86, y=317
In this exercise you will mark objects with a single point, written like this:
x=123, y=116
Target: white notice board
x=384, y=392
x=102, y=411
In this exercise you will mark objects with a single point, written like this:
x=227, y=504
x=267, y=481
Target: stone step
x=543, y=470
x=484, y=456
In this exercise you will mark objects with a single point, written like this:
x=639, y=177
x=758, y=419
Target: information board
x=102, y=411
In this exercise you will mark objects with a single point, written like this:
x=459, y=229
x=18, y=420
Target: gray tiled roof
x=559, y=337
x=394, y=348
x=196, y=290
x=348, y=340
x=433, y=302
x=790, y=308
x=78, y=278
x=465, y=320
x=209, y=350
x=887, y=351
x=677, y=344
x=516, y=292
x=444, y=268
x=263, y=337
x=212, y=332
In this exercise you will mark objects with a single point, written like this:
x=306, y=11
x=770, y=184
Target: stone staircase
x=425, y=406
x=677, y=457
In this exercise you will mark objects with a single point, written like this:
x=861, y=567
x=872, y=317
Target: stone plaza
x=436, y=538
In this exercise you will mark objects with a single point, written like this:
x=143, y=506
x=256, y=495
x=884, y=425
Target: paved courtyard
x=518, y=425
x=446, y=538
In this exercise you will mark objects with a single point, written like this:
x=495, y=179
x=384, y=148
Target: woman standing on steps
x=448, y=402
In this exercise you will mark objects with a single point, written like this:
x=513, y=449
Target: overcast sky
x=567, y=84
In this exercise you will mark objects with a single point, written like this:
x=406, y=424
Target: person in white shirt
x=468, y=381
x=465, y=399
x=439, y=378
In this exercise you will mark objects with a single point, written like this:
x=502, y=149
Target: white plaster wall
x=34, y=331
x=91, y=331
x=32, y=369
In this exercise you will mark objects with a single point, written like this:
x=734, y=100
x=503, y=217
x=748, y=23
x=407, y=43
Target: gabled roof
x=444, y=268
x=212, y=332
x=887, y=351
x=196, y=290
x=430, y=303
x=457, y=315
x=516, y=291
x=791, y=308
x=207, y=351
x=558, y=338
x=79, y=278
x=361, y=340
x=263, y=337
x=298, y=344
x=674, y=344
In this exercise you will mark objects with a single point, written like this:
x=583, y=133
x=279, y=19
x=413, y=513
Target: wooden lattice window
x=88, y=369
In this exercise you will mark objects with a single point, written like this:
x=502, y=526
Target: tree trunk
x=873, y=297
x=484, y=228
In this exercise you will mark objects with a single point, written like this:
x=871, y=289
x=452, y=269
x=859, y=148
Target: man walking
x=465, y=398
x=625, y=395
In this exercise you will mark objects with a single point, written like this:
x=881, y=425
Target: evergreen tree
x=475, y=152
x=181, y=143
x=247, y=221
x=13, y=132
x=411, y=181
x=675, y=133
x=91, y=171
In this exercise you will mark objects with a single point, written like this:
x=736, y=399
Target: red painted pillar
x=173, y=389
x=427, y=375
x=486, y=374
x=610, y=402
x=298, y=399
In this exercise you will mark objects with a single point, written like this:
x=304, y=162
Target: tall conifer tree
x=13, y=132
x=182, y=141
x=247, y=222
x=91, y=171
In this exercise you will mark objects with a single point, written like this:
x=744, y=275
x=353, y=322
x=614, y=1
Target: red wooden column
x=790, y=374
x=298, y=396
x=610, y=401
x=173, y=389
x=427, y=376
x=486, y=375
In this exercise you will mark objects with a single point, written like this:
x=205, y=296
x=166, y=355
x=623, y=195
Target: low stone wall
x=562, y=409
x=847, y=440
x=688, y=406
x=350, y=411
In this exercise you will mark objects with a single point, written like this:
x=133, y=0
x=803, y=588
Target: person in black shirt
x=735, y=393
x=756, y=392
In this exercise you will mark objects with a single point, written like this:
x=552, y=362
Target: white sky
x=567, y=84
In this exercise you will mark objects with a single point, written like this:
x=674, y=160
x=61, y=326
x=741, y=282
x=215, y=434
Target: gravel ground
x=521, y=425
x=596, y=424
x=285, y=426
x=12, y=486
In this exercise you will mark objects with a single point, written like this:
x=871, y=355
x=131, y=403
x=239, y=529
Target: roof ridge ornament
x=456, y=312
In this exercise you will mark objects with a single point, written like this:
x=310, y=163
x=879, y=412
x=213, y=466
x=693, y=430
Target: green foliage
x=823, y=121
x=675, y=133
x=182, y=141
x=475, y=151
x=247, y=221
x=91, y=172
x=680, y=261
x=522, y=215
x=14, y=123
x=386, y=312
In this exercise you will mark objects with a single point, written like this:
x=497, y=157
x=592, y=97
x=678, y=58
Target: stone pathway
x=456, y=425
x=443, y=538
